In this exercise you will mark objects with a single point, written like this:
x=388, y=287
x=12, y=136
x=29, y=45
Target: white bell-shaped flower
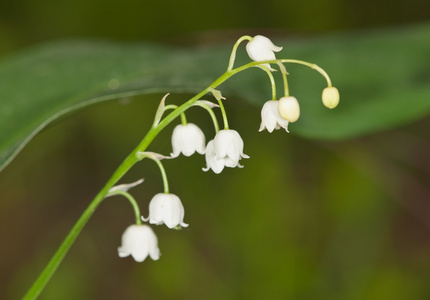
x=261, y=48
x=228, y=145
x=139, y=241
x=166, y=209
x=270, y=117
x=225, y=150
x=187, y=139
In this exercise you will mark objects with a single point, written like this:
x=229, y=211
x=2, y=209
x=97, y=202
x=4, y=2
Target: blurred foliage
x=303, y=219
x=25, y=22
x=92, y=72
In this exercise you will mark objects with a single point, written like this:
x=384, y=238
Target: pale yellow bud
x=330, y=97
x=289, y=109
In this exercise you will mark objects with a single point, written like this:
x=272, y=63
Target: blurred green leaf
x=383, y=78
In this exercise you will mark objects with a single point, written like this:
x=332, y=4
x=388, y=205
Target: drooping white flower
x=166, y=209
x=225, y=150
x=139, y=241
x=270, y=117
x=187, y=139
x=229, y=146
x=261, y=48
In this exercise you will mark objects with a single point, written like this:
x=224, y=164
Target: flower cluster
x=224, y=150
x=278, y=114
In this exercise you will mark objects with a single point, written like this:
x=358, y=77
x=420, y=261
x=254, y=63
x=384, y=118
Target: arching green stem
x=133, y=204
x=163, y=175
x=211, y=113
x=156, y=158
x=183, y=119
x=284, y=78
x=233, y=52
x=173, y=106
x=287, y=61
x=272, y=81
x=224, y=115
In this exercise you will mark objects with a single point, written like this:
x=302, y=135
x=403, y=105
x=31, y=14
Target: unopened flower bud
x=330, y=97
x=289, y=109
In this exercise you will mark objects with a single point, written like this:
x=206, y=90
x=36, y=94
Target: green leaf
x=383, y=78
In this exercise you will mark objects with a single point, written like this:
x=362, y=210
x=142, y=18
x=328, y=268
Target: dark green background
x=303, y=220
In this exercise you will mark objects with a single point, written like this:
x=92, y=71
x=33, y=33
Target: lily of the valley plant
x=224, y=149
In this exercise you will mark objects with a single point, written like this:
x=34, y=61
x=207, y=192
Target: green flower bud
x=330, y=97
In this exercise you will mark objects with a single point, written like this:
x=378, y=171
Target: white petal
x=156, y=209
x=154, y=253
x=262, y=127
x=173, y=211
x=268, y=117
x=176, y=141
x=123, y=252
x=217, y=165
x=228, y=162
x=186, y=140
x=140, y=254
x=283, y=123
x=221, y=143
